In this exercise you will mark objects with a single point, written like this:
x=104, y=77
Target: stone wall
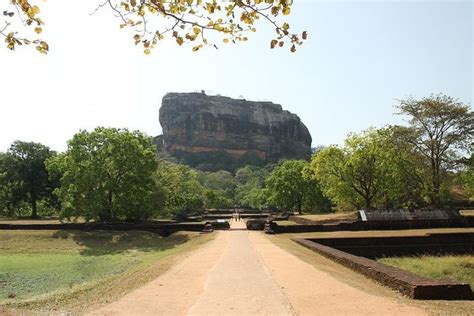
x=160, y=229
x=409, y=284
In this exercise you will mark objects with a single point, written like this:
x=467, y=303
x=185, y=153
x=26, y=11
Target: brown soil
x=315, y=292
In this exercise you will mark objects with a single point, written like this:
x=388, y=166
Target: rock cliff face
x=212, y=132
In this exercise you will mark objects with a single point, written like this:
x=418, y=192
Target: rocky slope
x=212, y=132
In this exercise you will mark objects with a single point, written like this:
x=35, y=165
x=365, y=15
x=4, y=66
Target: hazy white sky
x=360, y=58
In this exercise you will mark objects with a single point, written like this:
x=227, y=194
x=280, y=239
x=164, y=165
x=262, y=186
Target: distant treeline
x=114, y=174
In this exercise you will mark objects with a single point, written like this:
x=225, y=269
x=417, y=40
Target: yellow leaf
x=147, y=51
x=286, y=10
x=35, y=9
x=38, y=30
x=226, y=40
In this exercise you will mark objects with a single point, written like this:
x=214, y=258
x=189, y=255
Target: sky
x=359, y=59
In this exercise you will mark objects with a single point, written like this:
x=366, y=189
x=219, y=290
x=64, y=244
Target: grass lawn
x=455, y=267
x=69, y=270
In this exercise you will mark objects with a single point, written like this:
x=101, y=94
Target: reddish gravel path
x=243, y=273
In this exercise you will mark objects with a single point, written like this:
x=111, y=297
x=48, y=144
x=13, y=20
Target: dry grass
x=118, y=262
x=447, y=267
x=329, y=217
x=45, y=221
x=363, y=283
x=467, y=213
x=286, y=223
x=28, y=221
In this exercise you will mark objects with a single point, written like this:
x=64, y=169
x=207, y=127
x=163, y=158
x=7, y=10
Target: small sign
x=363, y=216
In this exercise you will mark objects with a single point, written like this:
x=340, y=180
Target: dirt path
x=173, y=292
x=239, y=284
x=314, y=292
x=243, y=273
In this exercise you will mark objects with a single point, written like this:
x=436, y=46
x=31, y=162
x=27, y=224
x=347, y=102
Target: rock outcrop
x=215, y=132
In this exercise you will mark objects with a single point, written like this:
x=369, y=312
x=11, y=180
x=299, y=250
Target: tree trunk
x=109, y=206
x=436, y=184
x=34, y=212
x=368, y=203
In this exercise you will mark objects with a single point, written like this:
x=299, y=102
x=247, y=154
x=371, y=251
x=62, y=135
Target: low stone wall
x=229, y=216
x=378, y=247
x=409, y=284
x=255, y=224
x=374, y=225
x=233, y=210
x=160, y=229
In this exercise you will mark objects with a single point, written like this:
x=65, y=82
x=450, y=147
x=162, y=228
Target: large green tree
x=250, y=191
x=365, y=172
x=23, y=175
x=217, y=199
x=441, y=130
x=220, y=187
x=9, y=187
x=107, y=175
x=290, y=189
x=184, y=193
x=467, y=176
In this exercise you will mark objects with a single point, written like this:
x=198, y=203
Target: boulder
x=216, y=132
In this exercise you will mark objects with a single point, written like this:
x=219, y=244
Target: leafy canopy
x=368, y=171
x=23, y=175
x=107, y=175
x=184, y=21
x=441, y=129
x=179, y=183
x=290, y=190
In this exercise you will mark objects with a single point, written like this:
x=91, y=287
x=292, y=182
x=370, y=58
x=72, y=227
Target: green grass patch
x=26, y=275
x=451, y=267
x=35, y=265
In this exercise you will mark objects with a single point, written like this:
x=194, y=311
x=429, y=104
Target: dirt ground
x=244, y=273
